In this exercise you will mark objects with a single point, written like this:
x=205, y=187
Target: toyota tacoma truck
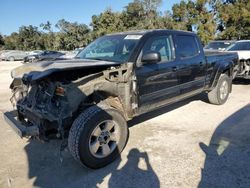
x=87, y=101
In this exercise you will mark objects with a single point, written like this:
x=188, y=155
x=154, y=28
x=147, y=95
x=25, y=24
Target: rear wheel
x=97, y=136
x=220, y=93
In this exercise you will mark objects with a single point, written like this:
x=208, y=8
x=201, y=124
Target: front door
x=157, y=83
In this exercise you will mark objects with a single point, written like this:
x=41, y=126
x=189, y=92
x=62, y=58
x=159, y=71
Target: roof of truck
x=142, y=32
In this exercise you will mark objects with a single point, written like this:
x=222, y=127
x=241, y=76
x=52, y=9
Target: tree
x=1, y=41
x=71, y=35
x=47, y=26
x=134, y=16
x=164, y=22
x=29, y=38
x=151, y=5
x=233, y=17
x=48, y=36
x=142, y=14
x=195, y=16
x=11, y=42
x=106, y=22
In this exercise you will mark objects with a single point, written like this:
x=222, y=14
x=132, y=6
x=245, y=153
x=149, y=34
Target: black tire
x=80, y=135
x=215, y=96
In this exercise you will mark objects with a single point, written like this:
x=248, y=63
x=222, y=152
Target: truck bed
x=219, y=56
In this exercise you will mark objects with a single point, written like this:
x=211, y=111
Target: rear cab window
x=187, y=46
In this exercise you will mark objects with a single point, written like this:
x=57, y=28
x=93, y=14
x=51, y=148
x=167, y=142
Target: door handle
x=174, y=69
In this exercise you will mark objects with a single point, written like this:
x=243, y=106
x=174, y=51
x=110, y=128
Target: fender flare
x=221, y=68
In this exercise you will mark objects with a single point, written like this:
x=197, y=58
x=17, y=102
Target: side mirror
x=151, y=57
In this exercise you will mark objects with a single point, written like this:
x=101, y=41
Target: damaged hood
x=38, y=70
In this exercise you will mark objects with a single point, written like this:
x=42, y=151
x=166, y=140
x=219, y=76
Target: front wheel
x=220, y=93
x=98, y=136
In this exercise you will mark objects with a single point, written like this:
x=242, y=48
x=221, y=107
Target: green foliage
x=71, y=35
x=107, y=22
x=134, y=15
x=210, y=19
x=195, y=16
x=234, y=19
x=1, y=41
x=11, y=42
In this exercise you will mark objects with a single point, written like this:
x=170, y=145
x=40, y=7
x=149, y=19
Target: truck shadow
x=47, y=170
x=228, y=154
x=241, y=81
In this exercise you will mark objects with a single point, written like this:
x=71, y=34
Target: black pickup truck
x=88, y=100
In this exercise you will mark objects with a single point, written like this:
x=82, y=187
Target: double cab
x=88, y=100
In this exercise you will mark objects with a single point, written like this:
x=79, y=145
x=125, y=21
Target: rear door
x=192, y=64
x=157, y=83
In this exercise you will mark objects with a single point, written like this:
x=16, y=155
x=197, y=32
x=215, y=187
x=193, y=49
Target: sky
x=15, y=13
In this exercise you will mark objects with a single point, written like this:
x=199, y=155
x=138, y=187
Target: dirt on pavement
x=188, y=144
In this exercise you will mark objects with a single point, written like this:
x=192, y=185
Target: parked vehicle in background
x=45, y=55
x=218, y=45
x=2, y=54
x=4, y=51
x=35, y=52
x=72, y=54
x=13, y=55
x=242, y=48
x=115, y=78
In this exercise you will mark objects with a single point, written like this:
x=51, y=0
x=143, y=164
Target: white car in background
x=72, y=54
x=242, y=47
x=13, y=55
x=2, y=54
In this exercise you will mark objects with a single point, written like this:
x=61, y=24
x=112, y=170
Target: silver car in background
x=2, y=54
x=13, y=55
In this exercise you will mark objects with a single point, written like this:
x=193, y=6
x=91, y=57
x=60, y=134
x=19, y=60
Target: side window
x=248, y=46
x=187, y=46
x=245, y=46
x=240, y=46
x=161, y=44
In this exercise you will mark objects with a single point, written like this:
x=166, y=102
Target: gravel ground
x=189, y=144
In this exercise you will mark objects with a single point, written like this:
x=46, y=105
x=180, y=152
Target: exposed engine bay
x=52, y=103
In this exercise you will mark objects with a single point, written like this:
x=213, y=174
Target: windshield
x=218, y=45
x=117, y=48
x=239, y=46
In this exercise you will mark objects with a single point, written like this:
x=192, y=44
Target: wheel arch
x=222, y=68
x=108, y=98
